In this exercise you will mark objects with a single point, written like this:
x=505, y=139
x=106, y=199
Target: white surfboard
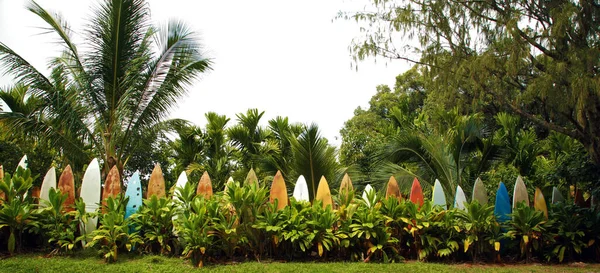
x=439, y=198
x=180, y=184
x=368, y=188
x=460, y=199
x=23, y=162
x=48, y=183
x=90, y=194
x=301, y=190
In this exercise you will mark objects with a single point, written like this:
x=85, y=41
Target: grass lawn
x=88, y=263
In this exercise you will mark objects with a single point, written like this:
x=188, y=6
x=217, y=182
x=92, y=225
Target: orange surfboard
x=393, y=190
x=278, y=191
x=539, y=203
x=112, y=186
x=251, y=178
x=205, y=186
x=323, y=193
x=1, y=177
x=66, y=184
x=156, y=185
x=416, y=193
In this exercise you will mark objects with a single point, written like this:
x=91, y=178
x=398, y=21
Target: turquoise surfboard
x=134, y=192
x=502, y=209
x=439, y=199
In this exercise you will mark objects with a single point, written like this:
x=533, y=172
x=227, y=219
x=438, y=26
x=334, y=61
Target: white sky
x=287, y=58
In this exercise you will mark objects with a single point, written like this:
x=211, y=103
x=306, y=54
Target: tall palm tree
x=250, y=138
x=110, y=95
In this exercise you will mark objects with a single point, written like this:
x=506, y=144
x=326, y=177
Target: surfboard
x=205, y=186
x=48, y=183
x=2, y=177
x=366, y=191
x=479, y=192
x=301, y=190
x=182, y=180
x=66, y=184
x=23, y=162
x=520, y=193
x=460, y=199
x=416, y=193
x=90, y=195
x=580, y=200
x=439, y=198
x=112, y=186
x=278, y=191
x=393, y=190
x=346, y=184
x=556, y=196
x=251, y=178
x=156, y=185
x=324, y=193
x=134, y=193
x=539, y=203
x=502, y=207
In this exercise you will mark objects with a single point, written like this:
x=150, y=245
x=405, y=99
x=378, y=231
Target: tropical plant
x=196, y=231
x=17, y=212
x=568, y=226
x=113, y=233
x=322, y=221
x=155, y=223
x=477, y=221
x=372, y=230
x=58, y=228
x=530, y=228
x=114, y=94
x=250, y=138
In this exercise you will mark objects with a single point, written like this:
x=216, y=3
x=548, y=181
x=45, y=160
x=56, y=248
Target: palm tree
x=250, y=139
x=111, y=95
x=455, y=154
x=280, y=156
x=313, y=158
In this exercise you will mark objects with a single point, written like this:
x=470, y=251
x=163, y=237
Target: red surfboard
x=416, y=193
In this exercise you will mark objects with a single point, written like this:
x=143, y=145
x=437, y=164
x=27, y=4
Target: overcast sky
x=287, y=58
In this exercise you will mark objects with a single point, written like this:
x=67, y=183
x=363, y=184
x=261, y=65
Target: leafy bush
x=58, y=227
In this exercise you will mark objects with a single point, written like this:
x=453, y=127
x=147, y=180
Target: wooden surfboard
x=556, y=196
x=112, y=186
x=346, y=184
x=301, y=190
x=502, y=208
x=90, y=195
x=539, y=203
x=438, y=196
x=251, y=178
x=366, y=191
x=205, y=186
x=520, y=193
x=48, y=183
x=66, y=184
x=229, y=182
x=479, y=192
x=278, y=191
x=460, y=199
x=156, y=185
x=1, y=177
x=416, y=193
x=324, y=193
x=393, y=190
x=134, y=192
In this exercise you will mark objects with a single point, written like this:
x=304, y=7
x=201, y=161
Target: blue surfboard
x=502, y=209
x=134, y=192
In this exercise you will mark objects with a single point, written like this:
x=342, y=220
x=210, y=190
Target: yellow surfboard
x=278, y=191
x=539, y=203
x=323, y=193
x=251, y=178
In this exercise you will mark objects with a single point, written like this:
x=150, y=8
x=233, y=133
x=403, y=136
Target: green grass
x=87, y=263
